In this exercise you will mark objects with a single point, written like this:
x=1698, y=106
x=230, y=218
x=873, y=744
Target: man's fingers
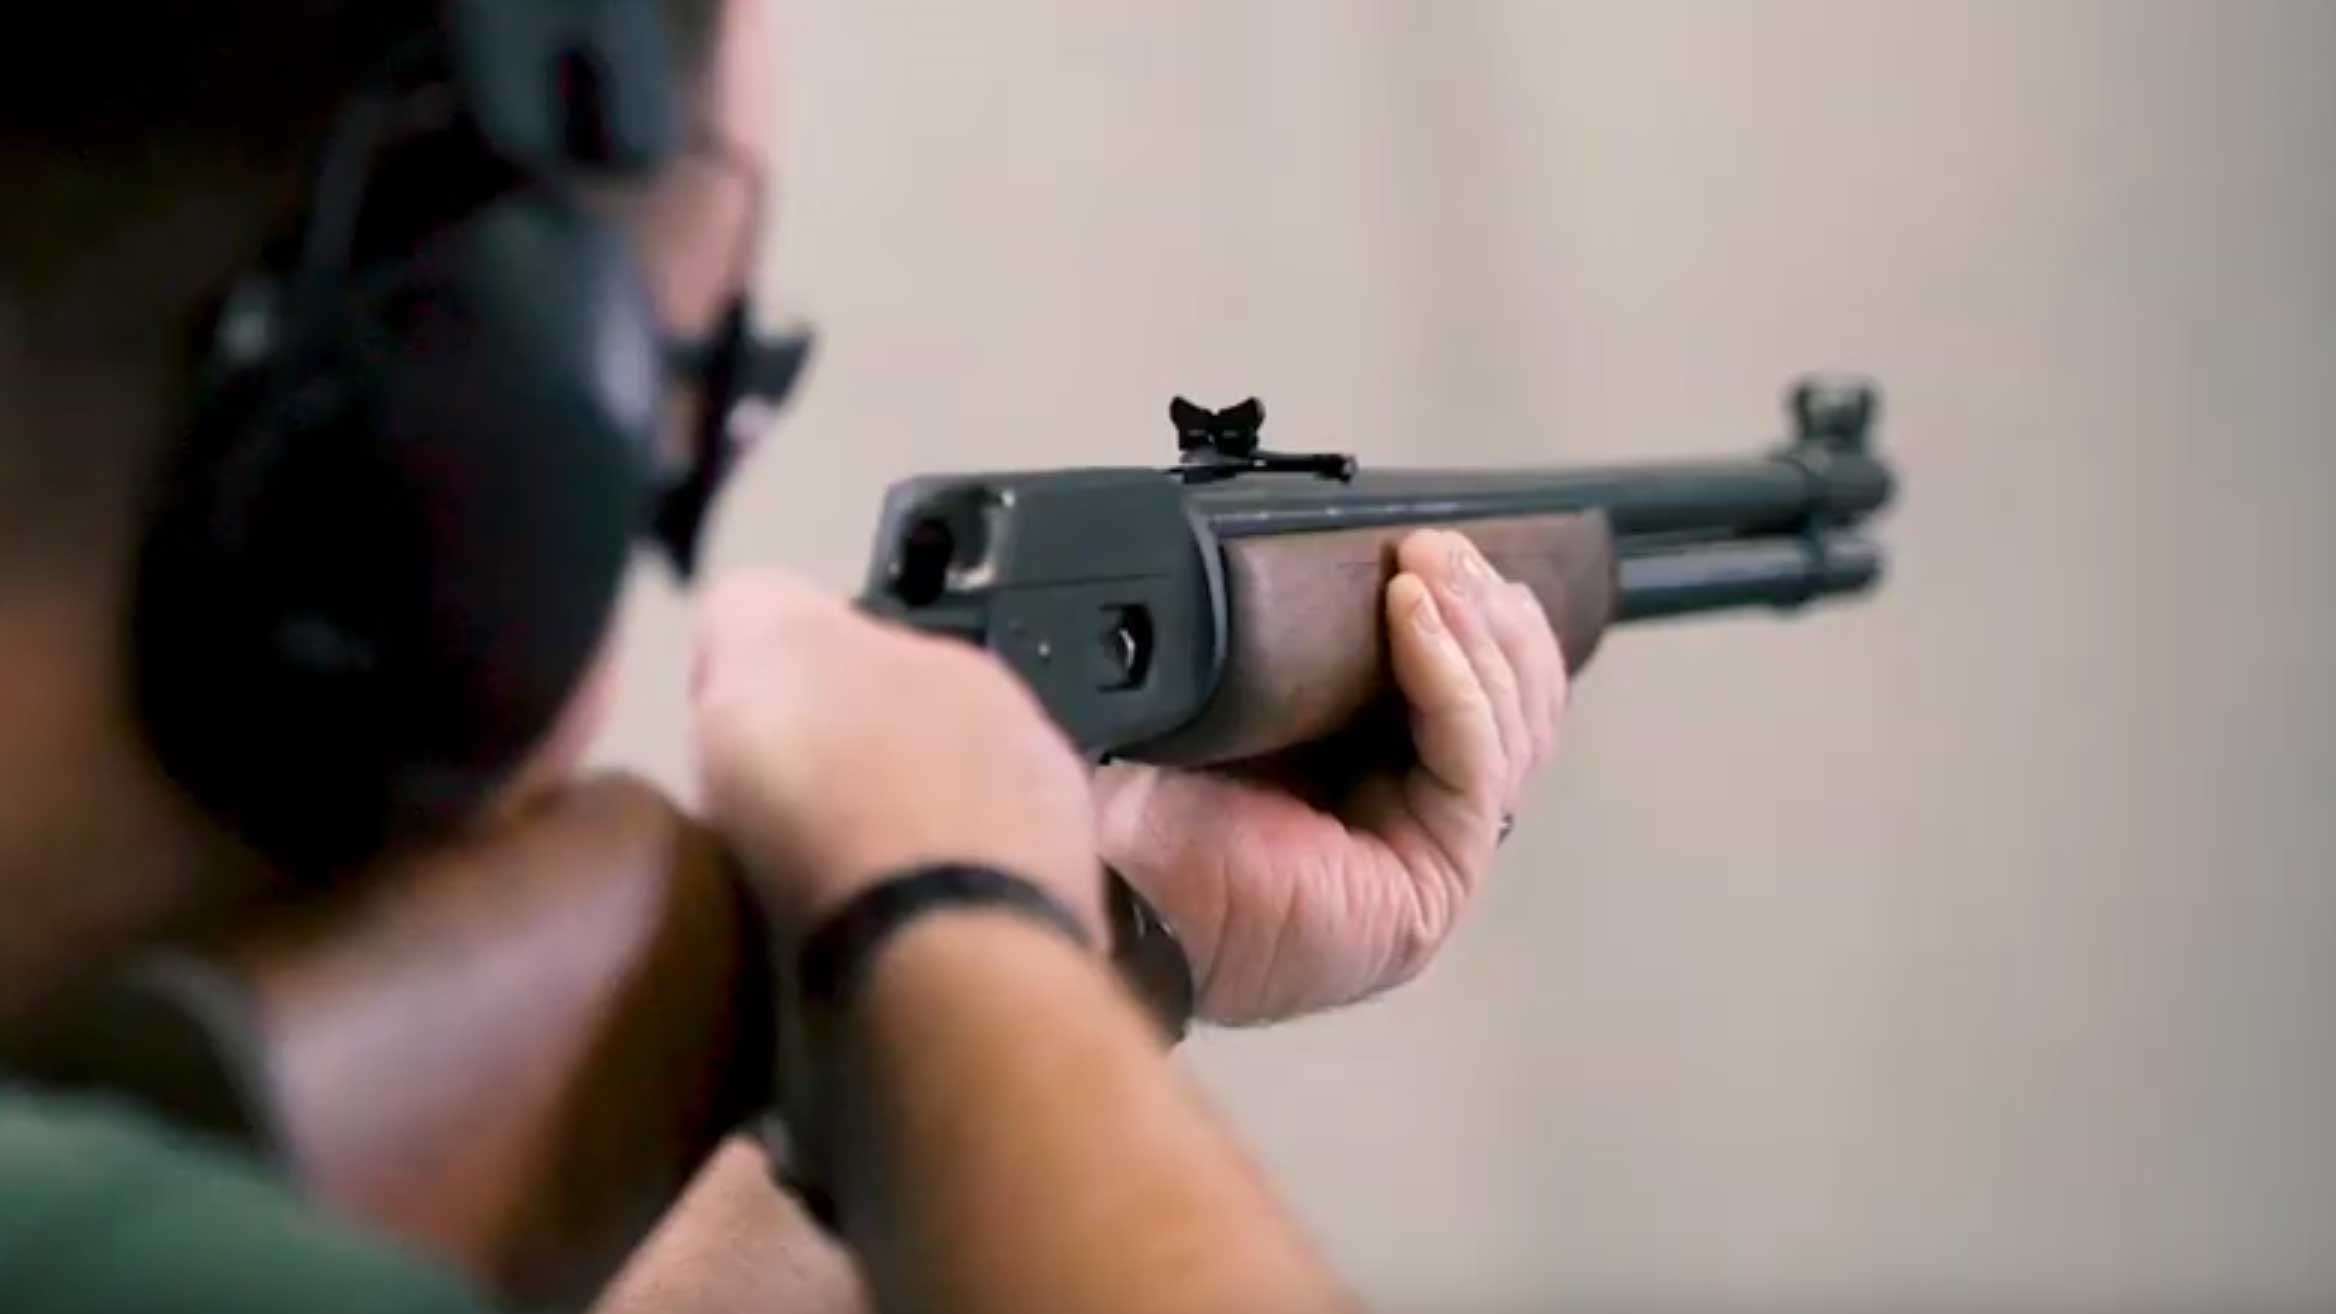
x=1466, y=590
x=1522, y=628
x=1452, y=723
x=746, y=613
x=1127, y=815
x=763, y=594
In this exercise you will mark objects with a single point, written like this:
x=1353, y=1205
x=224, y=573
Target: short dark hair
x=114, y=119
x=193, y=117
x=174, y=85
x=229, y=71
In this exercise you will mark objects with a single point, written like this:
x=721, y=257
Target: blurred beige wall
x=1972, y=949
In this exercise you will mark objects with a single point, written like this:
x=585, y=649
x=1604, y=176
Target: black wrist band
x=1151, y=960
x=830, y=967
x=835, y=957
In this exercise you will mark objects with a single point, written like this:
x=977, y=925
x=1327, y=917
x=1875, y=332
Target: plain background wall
x=1968, y=949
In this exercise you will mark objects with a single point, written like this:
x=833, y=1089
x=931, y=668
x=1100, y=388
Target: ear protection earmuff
x=423, y=437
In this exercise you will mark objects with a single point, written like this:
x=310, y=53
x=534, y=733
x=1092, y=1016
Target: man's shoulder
x=102, y=1209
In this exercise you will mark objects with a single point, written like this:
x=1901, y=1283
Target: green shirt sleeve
x=105, y=1212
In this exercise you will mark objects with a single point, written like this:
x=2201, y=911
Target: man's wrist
x=839, y=953
x=832, y=970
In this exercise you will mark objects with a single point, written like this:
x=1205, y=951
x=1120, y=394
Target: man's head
x=142, y=164
x=148, y=162
x=149, y=156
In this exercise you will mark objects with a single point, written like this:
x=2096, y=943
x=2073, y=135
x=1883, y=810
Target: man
x=1116, y=1189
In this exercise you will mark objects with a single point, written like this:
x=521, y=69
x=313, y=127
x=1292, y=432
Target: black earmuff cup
x=389, y=551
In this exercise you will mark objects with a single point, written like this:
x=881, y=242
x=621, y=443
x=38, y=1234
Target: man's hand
x=1288, y=901
x=838, y=752
x=1008, y=1133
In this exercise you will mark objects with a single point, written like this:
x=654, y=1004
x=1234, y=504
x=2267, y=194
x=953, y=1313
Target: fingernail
x=1469, y=561
x=1424, y=615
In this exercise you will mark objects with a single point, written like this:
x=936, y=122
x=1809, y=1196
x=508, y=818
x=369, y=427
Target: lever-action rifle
x=513, y=1051
x=1233, y=607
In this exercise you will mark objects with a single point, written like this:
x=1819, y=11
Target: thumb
x=1452, y=726
x=1119, y=790
x=1148, y=818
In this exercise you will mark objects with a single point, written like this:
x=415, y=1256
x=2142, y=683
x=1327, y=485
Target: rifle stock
x=512, y=1052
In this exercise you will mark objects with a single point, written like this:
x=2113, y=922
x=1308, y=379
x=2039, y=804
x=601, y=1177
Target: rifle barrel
x=1782, y=572
x=1764, y=495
